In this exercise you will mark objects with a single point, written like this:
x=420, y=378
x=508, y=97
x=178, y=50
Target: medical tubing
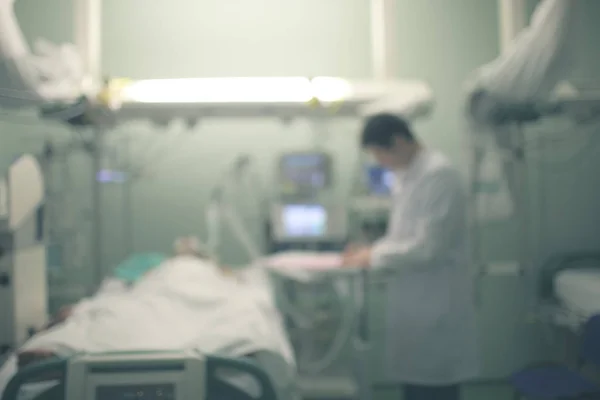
x=242, y=234
x=213, y=223
x=293, y=312
x=214, y=363
x=304, y=323
x=343, y=334
x=219, y=207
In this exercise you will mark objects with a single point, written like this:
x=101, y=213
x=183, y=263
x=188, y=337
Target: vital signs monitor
x=304, y=220
x=308, y=222
x=379, y=180
x=304, y=171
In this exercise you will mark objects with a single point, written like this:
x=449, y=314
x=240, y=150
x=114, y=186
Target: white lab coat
x=431, y=334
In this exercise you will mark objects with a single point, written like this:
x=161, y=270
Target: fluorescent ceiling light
x=236, y=90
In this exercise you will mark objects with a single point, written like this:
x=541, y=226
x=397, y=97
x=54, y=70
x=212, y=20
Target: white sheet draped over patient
x=185, y=303
x=51, y=74
x=528, y=72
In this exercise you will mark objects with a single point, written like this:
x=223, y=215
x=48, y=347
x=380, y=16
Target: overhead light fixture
x=236, y=90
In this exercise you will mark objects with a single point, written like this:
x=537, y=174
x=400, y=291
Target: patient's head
x=190, y=246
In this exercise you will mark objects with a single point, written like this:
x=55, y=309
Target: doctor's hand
x=357, y=256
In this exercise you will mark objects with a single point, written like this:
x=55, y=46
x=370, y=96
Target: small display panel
x=379, y=180
x=110, y=176
x=302, y=171
x=165, y=391
x=304, y=220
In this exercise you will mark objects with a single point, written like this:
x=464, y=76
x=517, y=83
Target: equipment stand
x=362, y=346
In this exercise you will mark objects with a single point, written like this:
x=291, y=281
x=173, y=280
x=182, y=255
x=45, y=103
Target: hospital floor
x=470, y=392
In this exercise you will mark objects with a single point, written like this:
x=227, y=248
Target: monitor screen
x=305, y=170
x=379, y=180
x=110, y=176
x=304, y=220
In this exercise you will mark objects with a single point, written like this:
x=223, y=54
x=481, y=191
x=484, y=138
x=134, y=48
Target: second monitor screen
x=304, y=171
x=304, y=220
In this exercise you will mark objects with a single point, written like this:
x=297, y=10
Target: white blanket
x=185, y=303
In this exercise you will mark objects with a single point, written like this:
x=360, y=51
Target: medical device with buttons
x=143, y=376
x=304, y=174
x=305, y=214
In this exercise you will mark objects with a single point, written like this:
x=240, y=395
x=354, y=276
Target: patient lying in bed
x=187, y=301
x=134, y=269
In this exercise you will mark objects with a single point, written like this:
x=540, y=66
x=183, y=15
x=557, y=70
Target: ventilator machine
x=308, y=226
x=304, y=215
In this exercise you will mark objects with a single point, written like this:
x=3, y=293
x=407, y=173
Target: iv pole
x=219, y=208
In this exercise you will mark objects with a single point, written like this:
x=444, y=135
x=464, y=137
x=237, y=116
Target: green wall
x=438, y=43
x=268, y=37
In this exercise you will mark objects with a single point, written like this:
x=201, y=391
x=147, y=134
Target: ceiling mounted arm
x=383, y=39
x=513, y=19
x=88, y=36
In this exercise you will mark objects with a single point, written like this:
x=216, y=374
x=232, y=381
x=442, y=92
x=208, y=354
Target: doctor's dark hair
x=381, y=129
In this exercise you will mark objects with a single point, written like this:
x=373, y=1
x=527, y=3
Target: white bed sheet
x=579, y=291
x=171, y=309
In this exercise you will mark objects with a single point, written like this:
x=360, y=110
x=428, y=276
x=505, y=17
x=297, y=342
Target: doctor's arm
x=439, y=216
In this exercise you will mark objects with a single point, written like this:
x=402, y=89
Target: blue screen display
x=110, y=176
x=309, y=170
x=379, y=180
x=304, y=220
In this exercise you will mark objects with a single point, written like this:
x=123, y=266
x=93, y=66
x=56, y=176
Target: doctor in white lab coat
x=431, y=341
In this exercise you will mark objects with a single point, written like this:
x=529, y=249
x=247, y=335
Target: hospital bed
x=162, y=375
x=241, y=326
x=569, y=289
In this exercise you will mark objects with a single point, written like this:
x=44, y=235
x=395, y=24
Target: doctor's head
x=389, y=140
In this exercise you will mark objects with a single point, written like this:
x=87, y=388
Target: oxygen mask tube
x=343, y=335
x=238, y=177
x=241, y=233
x=213, y=222
x=220, y=208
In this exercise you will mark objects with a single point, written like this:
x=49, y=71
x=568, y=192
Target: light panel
x=236, y=90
